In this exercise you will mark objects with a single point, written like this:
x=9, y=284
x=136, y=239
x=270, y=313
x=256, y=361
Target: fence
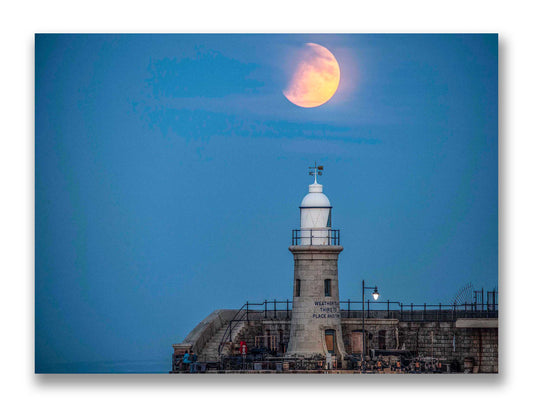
x=276, y=309
x=321, y=236
x=281, y=310
x=418, y=312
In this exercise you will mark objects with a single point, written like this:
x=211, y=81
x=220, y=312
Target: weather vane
x=316, y=170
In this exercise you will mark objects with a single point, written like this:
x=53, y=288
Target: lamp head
x=375, y=294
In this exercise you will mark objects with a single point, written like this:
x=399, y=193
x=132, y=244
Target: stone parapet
x=477, y=323
x=205, y=330
x=470, y=342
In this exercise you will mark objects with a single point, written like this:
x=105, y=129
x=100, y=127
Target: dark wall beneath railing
x=442, y=340
x=433, y=339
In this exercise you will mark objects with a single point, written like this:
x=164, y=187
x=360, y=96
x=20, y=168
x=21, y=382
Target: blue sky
x=169, y=170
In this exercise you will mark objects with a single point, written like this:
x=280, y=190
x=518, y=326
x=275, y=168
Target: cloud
x=209, y=74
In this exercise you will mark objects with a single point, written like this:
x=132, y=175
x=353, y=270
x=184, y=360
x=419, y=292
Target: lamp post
x=375, y=294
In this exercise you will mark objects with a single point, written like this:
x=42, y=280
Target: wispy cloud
x=210, y=74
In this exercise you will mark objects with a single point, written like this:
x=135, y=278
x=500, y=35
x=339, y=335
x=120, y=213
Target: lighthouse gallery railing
x=305, y=237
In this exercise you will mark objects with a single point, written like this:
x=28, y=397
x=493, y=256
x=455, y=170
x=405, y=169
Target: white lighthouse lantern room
x=315, y=215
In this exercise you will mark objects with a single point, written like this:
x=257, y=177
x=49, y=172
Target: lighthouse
x=316, y=316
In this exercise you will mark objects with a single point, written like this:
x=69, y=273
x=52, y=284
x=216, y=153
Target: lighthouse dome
x=315, y=198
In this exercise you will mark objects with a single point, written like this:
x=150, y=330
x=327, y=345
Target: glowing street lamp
x=375, y=294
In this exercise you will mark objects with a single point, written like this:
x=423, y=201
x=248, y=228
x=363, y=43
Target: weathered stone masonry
x=452, y=341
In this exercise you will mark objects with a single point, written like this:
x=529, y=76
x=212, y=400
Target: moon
x=315, y=79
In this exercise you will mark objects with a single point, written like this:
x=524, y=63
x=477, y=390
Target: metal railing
x=255, y=311
x=418, y=312
x=322, y=237
x=281, y=310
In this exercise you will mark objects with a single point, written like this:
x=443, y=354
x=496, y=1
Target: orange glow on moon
x=315, y=79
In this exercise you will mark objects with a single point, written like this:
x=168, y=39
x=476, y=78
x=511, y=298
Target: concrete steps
x=210, y=351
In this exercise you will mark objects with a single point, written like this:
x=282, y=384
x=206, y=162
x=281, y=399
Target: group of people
x=189, y=362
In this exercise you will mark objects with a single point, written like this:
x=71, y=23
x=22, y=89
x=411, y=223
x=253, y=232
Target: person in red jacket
x=243, y=349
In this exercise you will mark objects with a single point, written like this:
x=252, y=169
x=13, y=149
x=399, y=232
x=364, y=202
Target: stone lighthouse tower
x=316, y=318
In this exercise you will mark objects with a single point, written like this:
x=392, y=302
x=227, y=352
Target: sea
x=121, y=366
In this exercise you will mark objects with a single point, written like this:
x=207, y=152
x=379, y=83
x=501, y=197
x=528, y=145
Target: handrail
x=305, y=237
x=227, y=332
x=243, y=314
x=417, y=312
x=374, y=309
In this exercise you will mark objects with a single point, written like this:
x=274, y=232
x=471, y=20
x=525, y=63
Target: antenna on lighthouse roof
x=316, y=170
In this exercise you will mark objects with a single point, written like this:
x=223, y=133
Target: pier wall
x=463, y=344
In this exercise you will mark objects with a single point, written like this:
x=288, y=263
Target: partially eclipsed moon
x=315, y=79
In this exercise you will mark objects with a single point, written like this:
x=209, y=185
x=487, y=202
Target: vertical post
x=348, y=308
x=368, y=308
x=440, y=309
x=265, y=309
x=453, y=314
x=287, y=309
x=275, y=314
x=388, y=308
x=401, y=310
x=247, y=310
x=424, y=315
x=411, y=312
x=364, y=335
